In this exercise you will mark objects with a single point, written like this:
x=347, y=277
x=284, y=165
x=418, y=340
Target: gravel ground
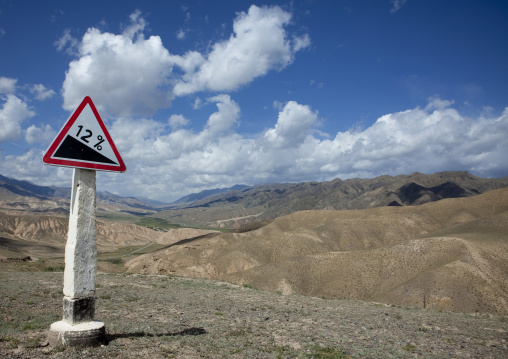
x=172, y=317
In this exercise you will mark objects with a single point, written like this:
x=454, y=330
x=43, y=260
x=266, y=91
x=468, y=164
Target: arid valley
x=340, y=257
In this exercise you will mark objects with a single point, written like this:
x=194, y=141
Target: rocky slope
x=234, y=208
x=451, y=254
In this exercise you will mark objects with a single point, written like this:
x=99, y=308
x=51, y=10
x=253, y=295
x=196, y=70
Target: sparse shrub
x=409, y=348
x=11, y=342
x=30, y=326
x=114, y=260
x=32, y=343
x=57, y=349
x=238, y=333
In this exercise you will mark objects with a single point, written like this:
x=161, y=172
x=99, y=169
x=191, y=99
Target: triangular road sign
x=84, y=142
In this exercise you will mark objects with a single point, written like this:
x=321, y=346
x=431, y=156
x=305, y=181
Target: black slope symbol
x=73, y=149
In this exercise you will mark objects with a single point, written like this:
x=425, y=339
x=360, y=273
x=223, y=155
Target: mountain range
x=236, y=206
x=25, y=195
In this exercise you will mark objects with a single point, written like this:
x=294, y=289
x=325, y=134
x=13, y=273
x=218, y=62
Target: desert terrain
x=427, y=277
x=445, y=255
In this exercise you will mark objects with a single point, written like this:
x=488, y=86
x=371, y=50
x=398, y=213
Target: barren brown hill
x=451, y=254
x=45, y=236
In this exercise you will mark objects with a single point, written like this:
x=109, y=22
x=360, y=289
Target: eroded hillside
x=40, y=235
x=451, y=254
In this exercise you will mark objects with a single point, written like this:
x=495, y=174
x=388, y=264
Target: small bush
x=11, y=342
x=114, y=260
x=30, y=326
x=409, y=348
x=32, y=343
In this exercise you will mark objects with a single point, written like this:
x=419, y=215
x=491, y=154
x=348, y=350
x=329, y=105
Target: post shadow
x=184, y=332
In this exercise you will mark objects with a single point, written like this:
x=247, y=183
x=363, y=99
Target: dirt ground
x=173, y=317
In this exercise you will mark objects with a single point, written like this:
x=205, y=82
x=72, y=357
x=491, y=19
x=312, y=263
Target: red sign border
x=47, y=158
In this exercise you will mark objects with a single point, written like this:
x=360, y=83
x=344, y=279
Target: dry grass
x=172, y=317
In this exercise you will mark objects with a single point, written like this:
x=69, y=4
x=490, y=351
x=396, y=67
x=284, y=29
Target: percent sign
x=88, y=135
x=98, y=144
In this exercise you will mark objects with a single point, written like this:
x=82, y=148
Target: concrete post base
x=87, y=334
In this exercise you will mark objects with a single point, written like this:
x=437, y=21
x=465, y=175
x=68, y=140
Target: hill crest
x=234, y=208
x=452, y=254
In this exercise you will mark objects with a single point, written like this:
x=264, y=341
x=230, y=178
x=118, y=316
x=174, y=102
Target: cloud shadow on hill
x=188, y=240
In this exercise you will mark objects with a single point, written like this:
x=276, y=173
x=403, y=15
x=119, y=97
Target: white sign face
x=84, y=142
x=89, y=133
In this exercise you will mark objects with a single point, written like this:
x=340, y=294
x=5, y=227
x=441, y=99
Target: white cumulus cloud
x=7, y=85
x=226, y=116
x=13, y=112
x=293, y=125
x=29, y=166
x=134, y=76
x=176, y=121
x=166, y=162
x=180, y=35
x=67, y=43
x=44, y=134
x=259, y=44
x=41, y=93
x=430, y=139
x=128, y=73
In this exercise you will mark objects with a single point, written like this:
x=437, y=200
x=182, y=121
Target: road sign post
x=78, y=327
x=85, y=144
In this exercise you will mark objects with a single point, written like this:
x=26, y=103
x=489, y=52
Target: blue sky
x=207, y=94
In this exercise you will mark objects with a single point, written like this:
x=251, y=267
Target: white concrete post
x=81, y=250
x=78, y=326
